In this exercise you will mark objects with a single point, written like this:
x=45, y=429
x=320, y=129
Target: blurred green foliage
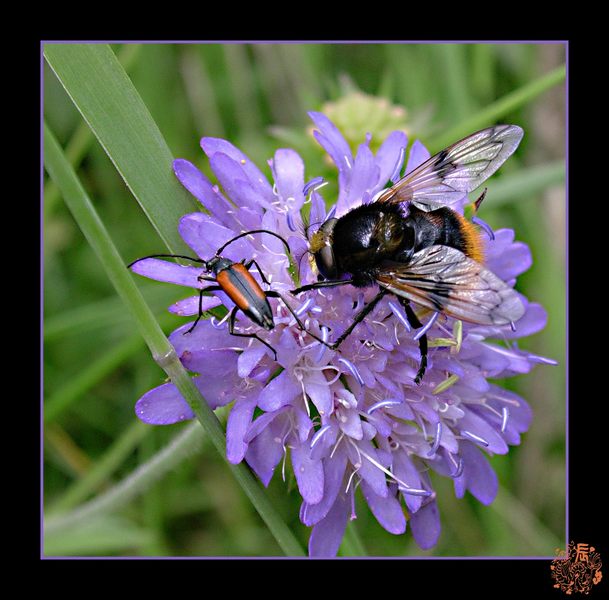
x=257, y=96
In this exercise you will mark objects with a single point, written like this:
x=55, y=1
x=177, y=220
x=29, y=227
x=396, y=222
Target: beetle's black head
x=217, y=264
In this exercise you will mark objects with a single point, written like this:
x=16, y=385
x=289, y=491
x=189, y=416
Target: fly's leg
x=321, y=284
x=416, y=324
x=273, y=294
x=359, y=318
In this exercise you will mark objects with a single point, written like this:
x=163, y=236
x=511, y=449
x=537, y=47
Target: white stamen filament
x=360, y=453
x=350, y=479
x=338, y=441
x=318, y=435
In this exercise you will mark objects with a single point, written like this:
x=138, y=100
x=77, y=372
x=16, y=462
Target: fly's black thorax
x=438, y=227
x=365, y=237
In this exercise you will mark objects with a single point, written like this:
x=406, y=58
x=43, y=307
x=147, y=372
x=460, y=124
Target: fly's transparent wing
x=444, y=279
x=444, y=178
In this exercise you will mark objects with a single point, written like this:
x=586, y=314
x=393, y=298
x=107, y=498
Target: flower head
x=354, y=418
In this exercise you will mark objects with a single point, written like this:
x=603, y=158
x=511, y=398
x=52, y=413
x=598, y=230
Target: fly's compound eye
x=322, y=248
x=324, y=259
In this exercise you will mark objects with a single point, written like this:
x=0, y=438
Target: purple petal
x=263, y=454
x=350, y=422
x=205, y=236
x=332, y=141
x=318, y=212
x=327, y=535
x=425, y=525
x=288, y=170
x=205, y=340
x=263, y=422
x=170, y=272
x=279, y=392
x=367, y=470
x=319, y=391
x=217, y=390
x=251, y=203
x=238, y=422
x=253, y=174
x=249, y=358
x=309, y=474
x=324, y=439
x=513, y=261
x=388, y=155
x=478, y=426
x=363, y=178
x=406, y=472
x=303, y=424
x=520, y=413
x=190, y=306
x=203, y=190
x=229, y=173
x=534, y=320
x=334, y=473
x=221, y=365
x=163, y=405
x=418, y=155
x=387, y=511
x=516, y=361
x=478, y=475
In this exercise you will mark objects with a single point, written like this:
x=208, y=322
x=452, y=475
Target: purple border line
x=308, y=42
x=41, y=422
x=567, y=357
x=339, y=42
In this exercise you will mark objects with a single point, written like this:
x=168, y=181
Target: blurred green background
x=96, y=365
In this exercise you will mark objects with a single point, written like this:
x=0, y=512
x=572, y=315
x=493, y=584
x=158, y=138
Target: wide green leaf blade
x=103, y=93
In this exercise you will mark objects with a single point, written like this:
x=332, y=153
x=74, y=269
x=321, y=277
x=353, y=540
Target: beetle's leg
x=249, y=263
x=209, y=288
x=231, y=330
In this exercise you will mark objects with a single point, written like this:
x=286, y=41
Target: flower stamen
x=487, y=228
x=504, y=419
x=436, y=442
x=396, y=310
x=353, y=369
x=382, y=404
x=421, y=332
x=474, y=437
x=317, y=436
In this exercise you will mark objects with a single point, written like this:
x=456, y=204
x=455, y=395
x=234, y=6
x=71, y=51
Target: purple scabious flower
x=353, y=418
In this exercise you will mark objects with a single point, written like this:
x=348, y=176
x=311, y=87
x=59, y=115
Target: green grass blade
x=103, y=93
x=187, y=443
x=82, y=137
x=525, y=183
x=102, y=470
x=108, y=535
x=352, y=544
x=452, y=70
x=498, y=109
x=86, y=379
x=103, y=314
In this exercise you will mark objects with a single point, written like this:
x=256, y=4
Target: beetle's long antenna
x=199, y=260
x=219, y=250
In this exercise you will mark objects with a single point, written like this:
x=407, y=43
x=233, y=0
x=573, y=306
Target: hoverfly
x=412, y=244
x=236, y=281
